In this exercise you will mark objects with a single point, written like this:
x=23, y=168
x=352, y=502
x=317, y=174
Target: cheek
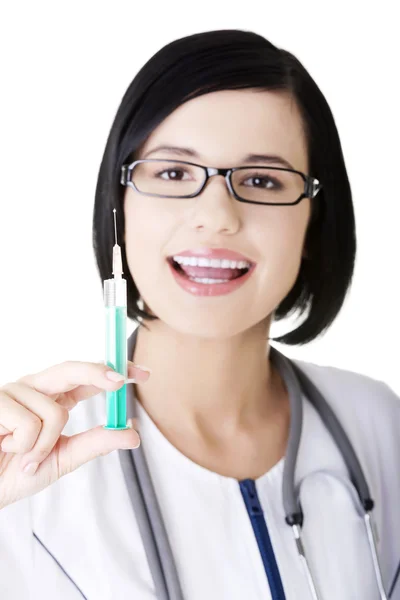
x=280, y=240
x=148, y=229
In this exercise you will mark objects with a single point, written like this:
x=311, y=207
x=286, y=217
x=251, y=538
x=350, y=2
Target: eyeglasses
x=181, y=179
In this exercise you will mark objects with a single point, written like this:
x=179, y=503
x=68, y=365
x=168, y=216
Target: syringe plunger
x=117, y=261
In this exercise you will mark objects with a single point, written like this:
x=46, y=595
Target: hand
x=34, y=411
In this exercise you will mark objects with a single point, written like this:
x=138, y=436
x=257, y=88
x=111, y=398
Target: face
x=222, y=127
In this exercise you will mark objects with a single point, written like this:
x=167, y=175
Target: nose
x=213, y=171
x=223, y=173
x=215, y=207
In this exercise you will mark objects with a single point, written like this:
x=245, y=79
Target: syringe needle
x=117, y=259
x=115, y=224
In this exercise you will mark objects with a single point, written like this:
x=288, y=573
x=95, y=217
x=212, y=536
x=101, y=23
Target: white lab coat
x=80, y=538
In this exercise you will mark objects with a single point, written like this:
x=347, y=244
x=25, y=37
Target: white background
x=64, y=69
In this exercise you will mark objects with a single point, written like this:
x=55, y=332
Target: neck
x=203, y=385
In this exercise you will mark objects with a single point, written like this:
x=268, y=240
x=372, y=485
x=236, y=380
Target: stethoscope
x=148, y=514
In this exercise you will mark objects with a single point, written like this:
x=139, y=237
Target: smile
x=210, y=280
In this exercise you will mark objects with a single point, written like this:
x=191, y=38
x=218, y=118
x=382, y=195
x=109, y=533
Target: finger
x=73, y=381
x=52, y=417
x=134, y=423
x=82, y=392
x=24, y=425
x=66, y=376
x=141, y=374
x=80, y=448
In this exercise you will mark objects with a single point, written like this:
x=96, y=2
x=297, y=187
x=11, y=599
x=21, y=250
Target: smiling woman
x=234, y=209
x=237, y=211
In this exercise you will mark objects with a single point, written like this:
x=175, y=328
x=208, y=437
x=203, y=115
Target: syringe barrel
x=116, y=348
x=115, y=292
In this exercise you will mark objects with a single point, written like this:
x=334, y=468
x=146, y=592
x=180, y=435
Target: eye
x=259, y=179
x=175, y=177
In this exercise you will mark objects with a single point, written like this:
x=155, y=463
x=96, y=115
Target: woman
x=209, y=264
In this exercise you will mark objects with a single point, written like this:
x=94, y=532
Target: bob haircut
x=236, y=59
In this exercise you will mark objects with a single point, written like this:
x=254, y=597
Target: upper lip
x=210, y=253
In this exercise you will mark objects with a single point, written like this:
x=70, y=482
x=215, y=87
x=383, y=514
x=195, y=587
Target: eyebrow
x=248, y=158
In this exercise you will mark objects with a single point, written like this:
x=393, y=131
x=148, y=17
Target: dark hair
x=237, y=59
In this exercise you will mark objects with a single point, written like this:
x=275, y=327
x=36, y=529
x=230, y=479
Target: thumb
x=78, y=449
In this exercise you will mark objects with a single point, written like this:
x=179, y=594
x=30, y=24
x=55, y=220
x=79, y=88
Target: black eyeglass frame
x=311, y=185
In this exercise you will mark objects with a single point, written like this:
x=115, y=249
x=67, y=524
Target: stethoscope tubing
x=298, y=383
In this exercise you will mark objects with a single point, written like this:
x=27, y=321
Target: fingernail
x=31, y=468
x=146, y=369
x=135, y=373
x=114, y=376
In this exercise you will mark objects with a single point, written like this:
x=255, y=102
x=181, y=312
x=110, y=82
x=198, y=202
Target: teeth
x=207, y=280
x=217, y=263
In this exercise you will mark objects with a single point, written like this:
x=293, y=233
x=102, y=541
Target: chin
x=212, y=327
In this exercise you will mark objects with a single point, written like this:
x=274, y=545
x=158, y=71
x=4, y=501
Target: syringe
x=116, y=341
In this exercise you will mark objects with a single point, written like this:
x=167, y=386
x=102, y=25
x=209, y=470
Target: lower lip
x=209, y=289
